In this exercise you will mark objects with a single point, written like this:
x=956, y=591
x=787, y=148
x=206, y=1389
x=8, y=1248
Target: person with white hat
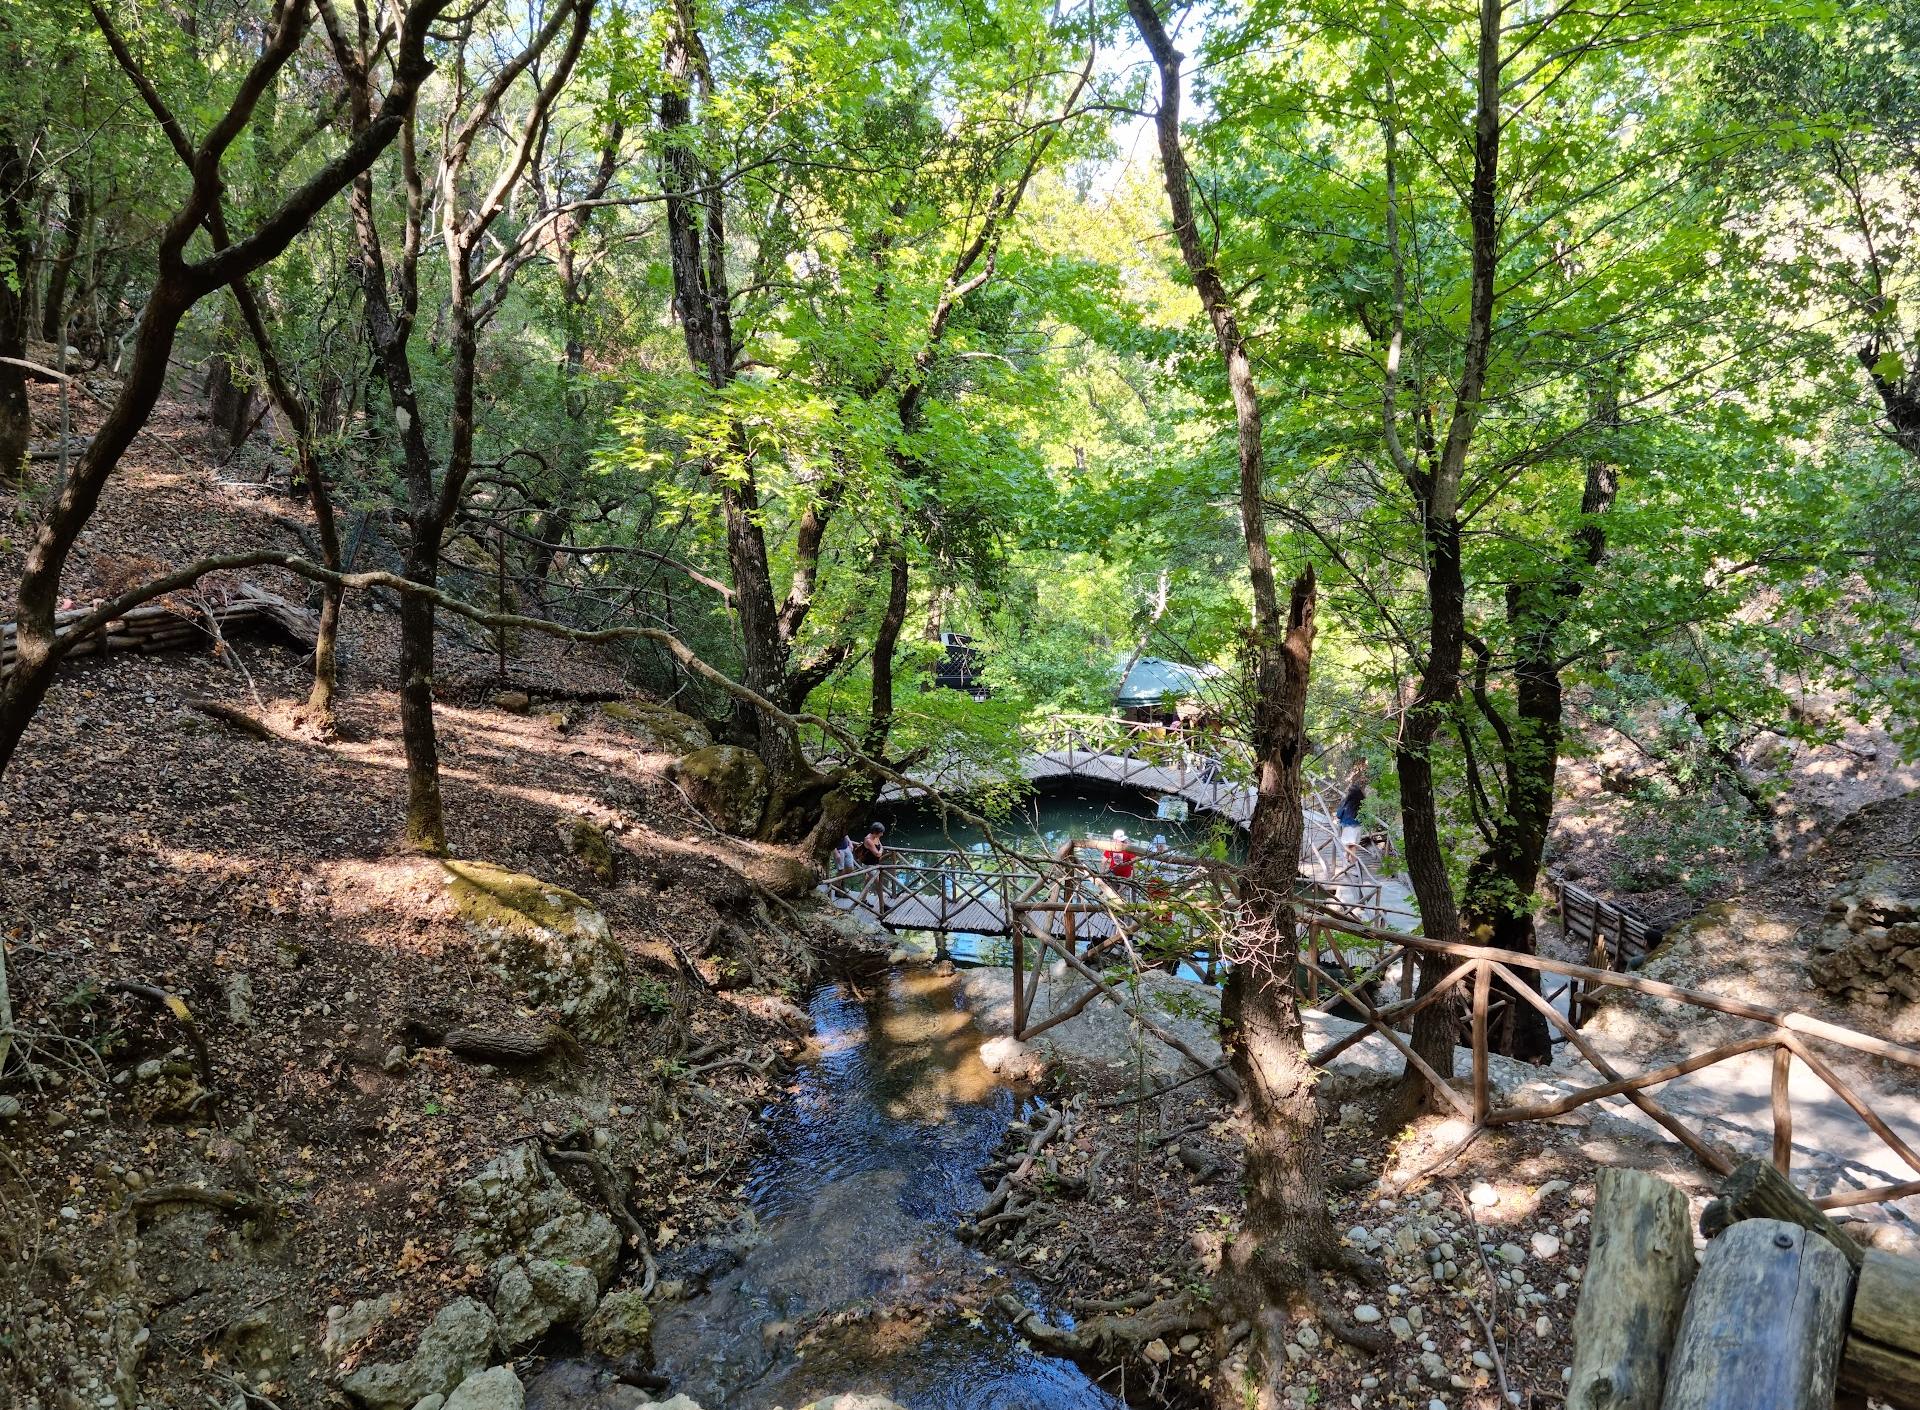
x=1119, y=855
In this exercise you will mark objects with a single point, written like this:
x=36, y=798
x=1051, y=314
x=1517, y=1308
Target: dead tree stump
x=1639, y=1268
x=1764, y=1324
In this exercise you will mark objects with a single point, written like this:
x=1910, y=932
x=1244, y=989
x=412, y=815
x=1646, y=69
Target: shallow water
x=872, y=1161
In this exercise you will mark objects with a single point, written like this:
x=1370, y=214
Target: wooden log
x=1639, y=1268
x=1881, y=1357
x=1764, y=1324
x=1756, y=1190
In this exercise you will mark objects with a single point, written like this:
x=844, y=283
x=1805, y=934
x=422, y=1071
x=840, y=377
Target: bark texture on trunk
x=1287, y=1229
x=1435, y=479
x=1499, y=894
x=16, y=420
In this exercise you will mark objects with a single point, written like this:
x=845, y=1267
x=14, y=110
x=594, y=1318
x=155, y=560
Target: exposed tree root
x=236, y=718
x=1104, y=1334
x=614, y=1193
x=177, y=1006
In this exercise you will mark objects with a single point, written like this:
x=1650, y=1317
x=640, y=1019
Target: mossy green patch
x=487, y=895
x=659, y=727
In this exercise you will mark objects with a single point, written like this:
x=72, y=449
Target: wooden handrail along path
x=1071, y=918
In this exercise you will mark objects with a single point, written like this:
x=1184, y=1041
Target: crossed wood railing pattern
x=1082, y=925
x=956, y=890
x=1787, y=1035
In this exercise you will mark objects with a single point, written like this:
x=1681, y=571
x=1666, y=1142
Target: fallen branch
x=177, y=1006
x=246, y=1206
x=504, y=1047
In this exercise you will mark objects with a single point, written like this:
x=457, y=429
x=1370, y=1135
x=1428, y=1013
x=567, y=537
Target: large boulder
x=531, y=1295
x=728, y=784
x=550, y=1255
x=553, y=945
x=657, y=728
x=494, y=1389
x=621, y=1328
x=460, y=1342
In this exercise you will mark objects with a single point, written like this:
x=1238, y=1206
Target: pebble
x=1436, y=1404
x=1366, y=1314
x=1156, y=1351
x=1542, y=1327
x=9, y=1108
x=1511, y=1253
x=1483, y=1195
x=1369, y=1383
x=149, y=1070
x=1307, y=1337
x=1545, y=1245
x=1400, y=1327
x=1562, y=1289
x=1190, y=1342
x=1552, y=1188
x=1483, y=1361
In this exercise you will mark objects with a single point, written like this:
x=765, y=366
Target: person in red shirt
x=1118, y=855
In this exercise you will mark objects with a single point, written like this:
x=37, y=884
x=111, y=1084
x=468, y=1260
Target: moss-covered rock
x=659, y=728
x=728, y=784
x=589, y=843
x=553, y=945
x=621, y=1328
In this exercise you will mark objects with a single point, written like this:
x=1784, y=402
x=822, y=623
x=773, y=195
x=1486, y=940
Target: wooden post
x=1639, y=1267
x=1482, y=981
x=1782, y=1110
x=500, y=595
x=1882, y=1353
x=1019, y=973
x=1765, y=1322
x=1756, y=1190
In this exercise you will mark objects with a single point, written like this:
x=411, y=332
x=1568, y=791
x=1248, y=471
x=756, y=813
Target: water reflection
x=871, y=1163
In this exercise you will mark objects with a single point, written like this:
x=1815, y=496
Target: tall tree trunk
x=1437, y=492
x=886, y=641
x=16, y=419
x=53, y=308
x=426, y=814
x=1287, y=1229
x=1499, y=895
x=300, y=420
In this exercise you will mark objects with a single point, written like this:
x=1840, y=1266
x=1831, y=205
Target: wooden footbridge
x=979, y=892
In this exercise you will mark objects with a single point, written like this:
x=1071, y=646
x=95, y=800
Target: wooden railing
x=1788, y=1036
x=1339, y=956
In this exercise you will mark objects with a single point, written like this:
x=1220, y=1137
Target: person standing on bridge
x=1348, y=818
x=871, y=850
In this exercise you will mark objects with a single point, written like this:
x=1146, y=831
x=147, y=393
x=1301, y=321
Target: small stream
x=872, y=1160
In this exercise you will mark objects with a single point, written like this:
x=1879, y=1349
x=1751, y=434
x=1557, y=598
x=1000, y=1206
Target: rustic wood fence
x=1099, y=930
x=199, y=620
